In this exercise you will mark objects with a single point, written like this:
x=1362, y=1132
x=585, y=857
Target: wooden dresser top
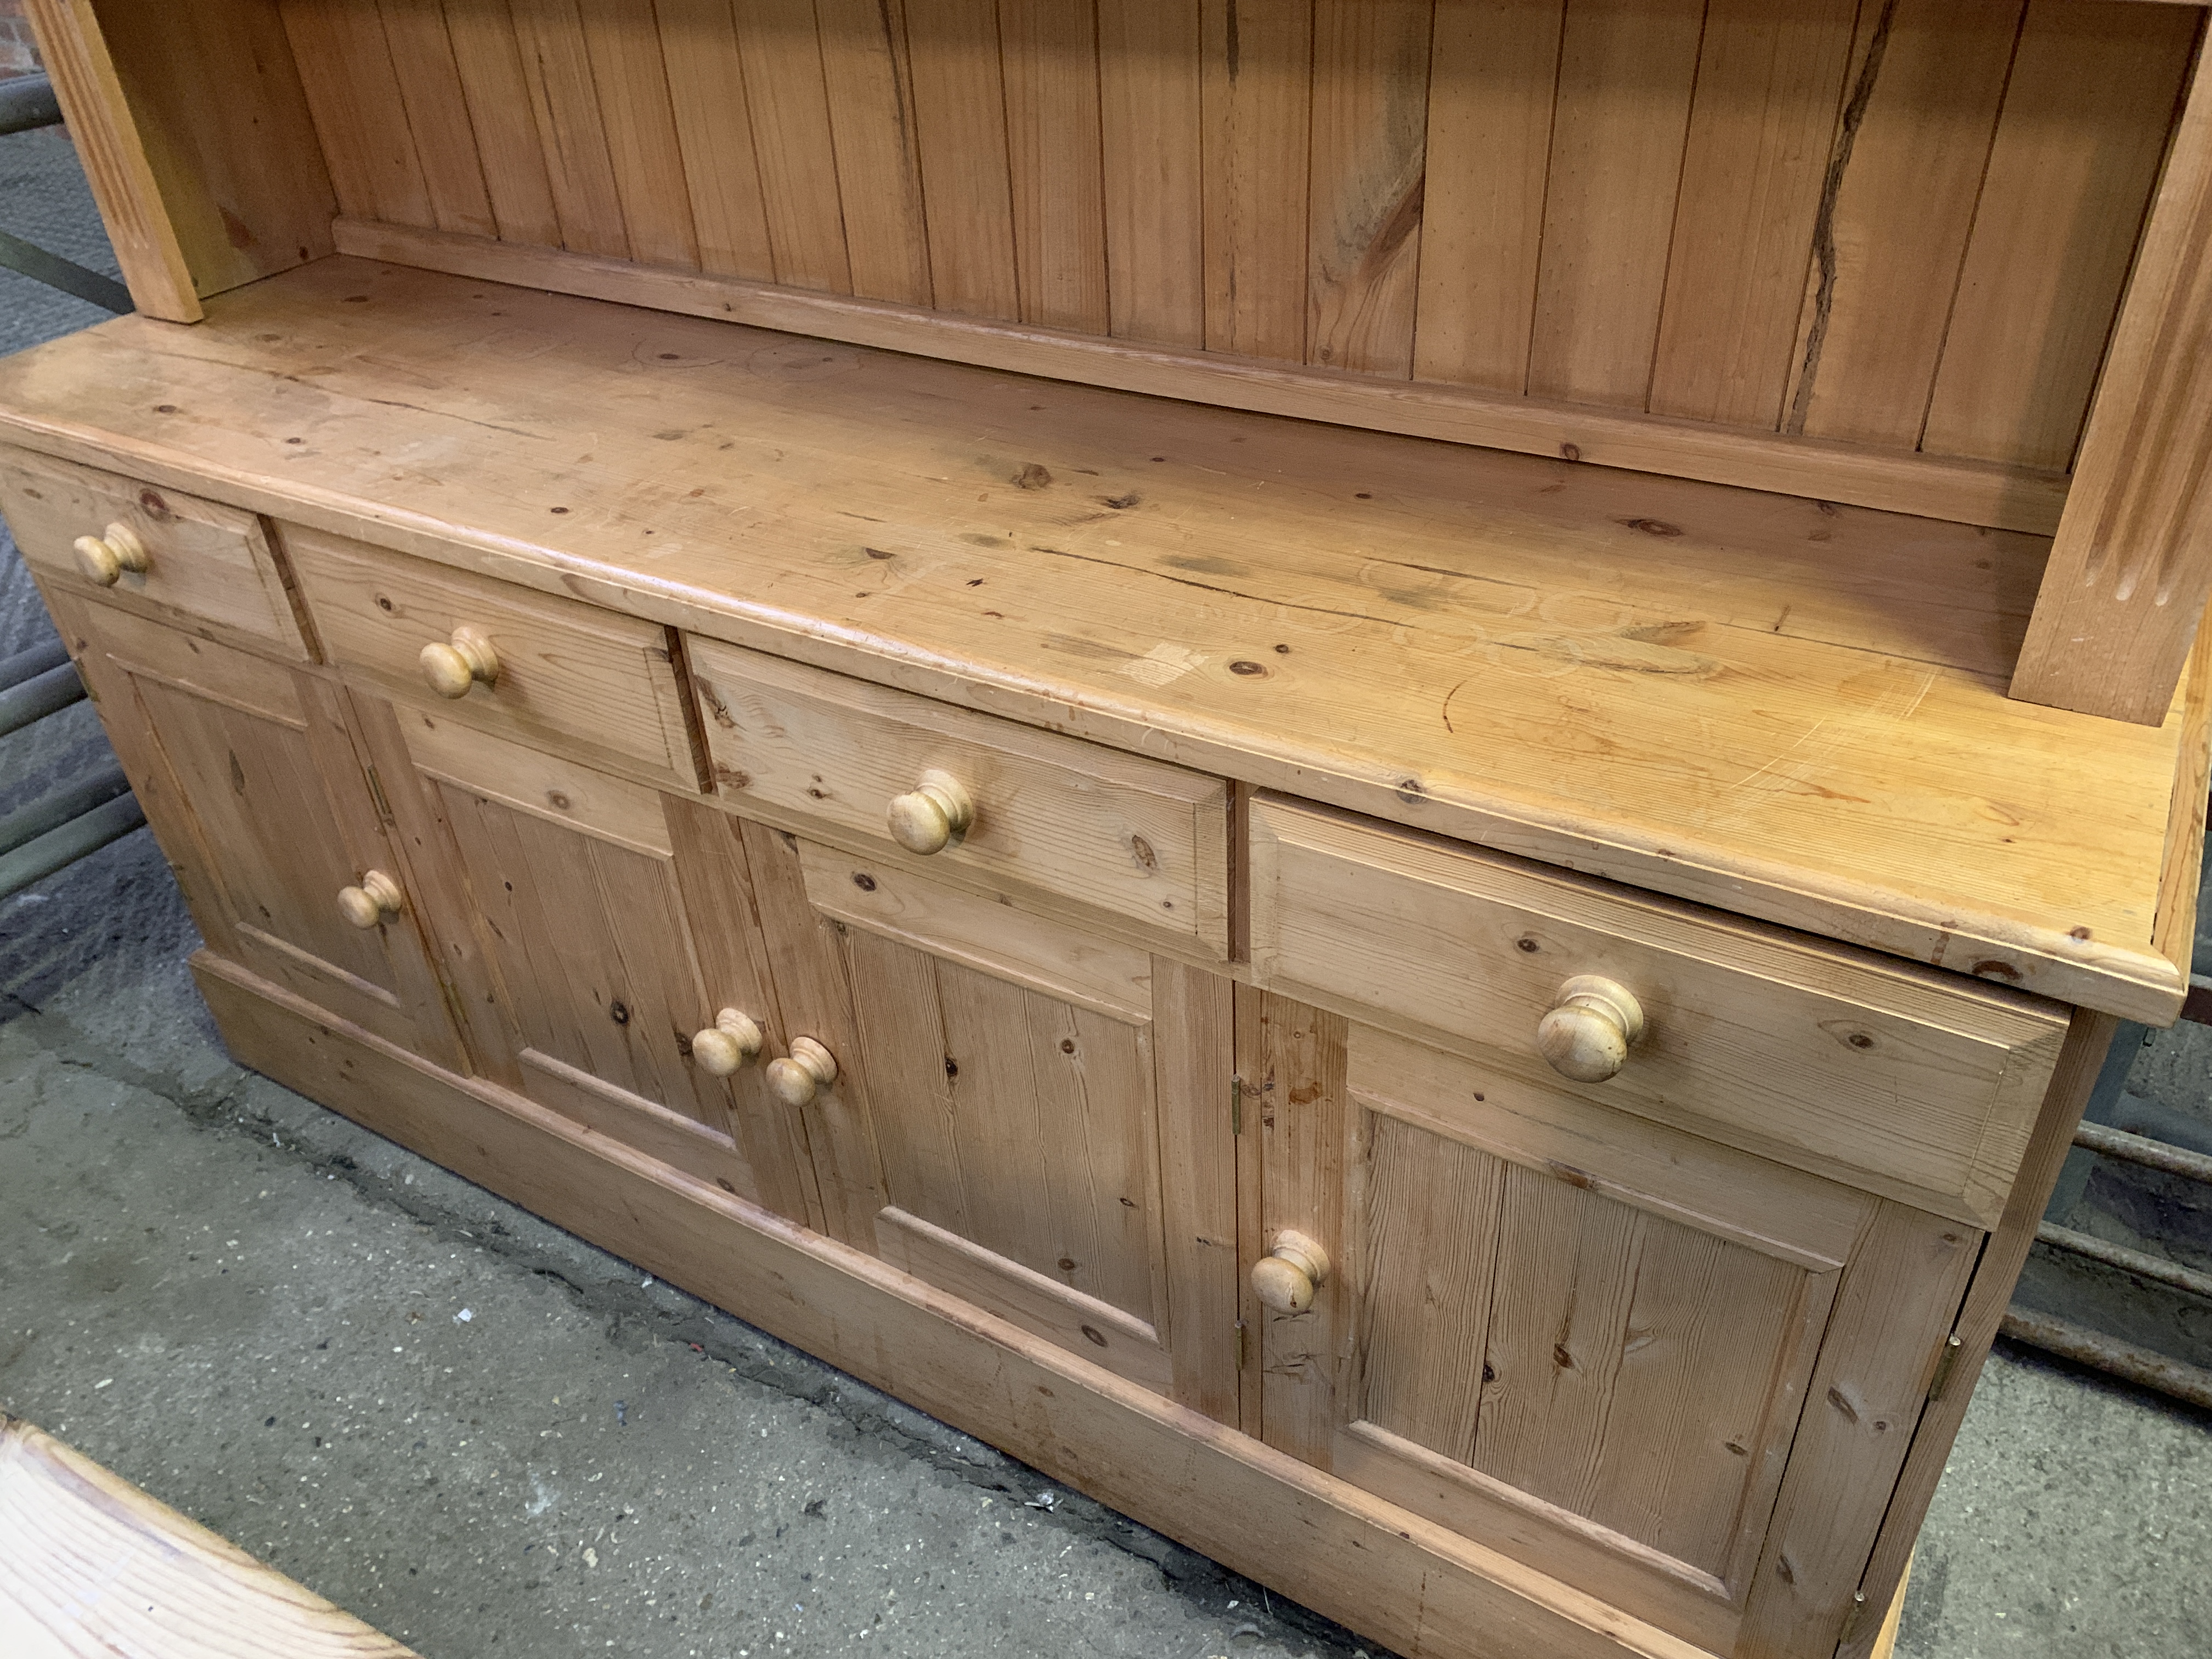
x=1784, y=708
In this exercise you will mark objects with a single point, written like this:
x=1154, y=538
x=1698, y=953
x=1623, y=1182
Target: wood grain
x=789, y=102
x=564, y=97
x=715, y=135
x=1493, y=71
x=1370, y=81
x=2129, y=575
x=1876, y=643
x=495, y=89
x=960, y=118
x=1150, y=114
x=868, y=78
x=91, y=1566
x=1258, y=104
x=1049, y=57
x=2088, y=111
x=1626, y=68
x=640, y=123
x=1412, y=1584
x=437, y=114
x=346, y=68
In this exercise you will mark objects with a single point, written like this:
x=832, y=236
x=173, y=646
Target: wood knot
x=1031, y=477
x=1653, y=526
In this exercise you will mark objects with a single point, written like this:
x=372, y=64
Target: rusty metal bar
x=2142, y=1149
x=2122, y=1359
x=2141, y=1263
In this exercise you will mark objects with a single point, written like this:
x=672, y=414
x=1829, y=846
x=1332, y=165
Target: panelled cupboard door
x=608, y=924
x=249, y=772
x=1579, y=1337
x=1048, y=1116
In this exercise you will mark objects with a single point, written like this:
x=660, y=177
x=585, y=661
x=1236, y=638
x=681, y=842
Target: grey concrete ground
x=482, y=1434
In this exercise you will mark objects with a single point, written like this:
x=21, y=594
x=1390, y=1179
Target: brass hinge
x=1946, y=1363
x=1852, y=1614
x=1236, y=1105
x=376, y=788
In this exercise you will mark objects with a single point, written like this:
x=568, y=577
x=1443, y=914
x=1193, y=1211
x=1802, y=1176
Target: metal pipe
x=2140, y=1263
x=2141, y=1149
x=49, y=653
x=2122, y=1359
x=64, y=845
x=66, y=275
x=39, y=696
x=27, y=101
x=59, y=808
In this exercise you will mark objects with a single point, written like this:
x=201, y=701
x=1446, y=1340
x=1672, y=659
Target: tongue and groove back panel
x=1827, y=219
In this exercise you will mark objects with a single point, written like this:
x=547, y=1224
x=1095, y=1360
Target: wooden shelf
x=1787, y=708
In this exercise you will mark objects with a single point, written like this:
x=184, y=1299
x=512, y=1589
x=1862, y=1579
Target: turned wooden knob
x=809, y=1066
x=453, y=668
x=1587, y=1035
x=104, y=558
x=728, y=1044
x=927, y=820
x=368, y=904
x=1284, y=1279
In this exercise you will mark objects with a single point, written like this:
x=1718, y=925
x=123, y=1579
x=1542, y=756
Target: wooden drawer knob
x=104, y=559
x=1284, y=1279
x=927, y=820
x=809, y=1066
x=369, y=904
x=1588, y=1034
x=728, y=1044
x=453, y=668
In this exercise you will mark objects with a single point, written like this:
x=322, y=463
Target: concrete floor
x=480, y=1434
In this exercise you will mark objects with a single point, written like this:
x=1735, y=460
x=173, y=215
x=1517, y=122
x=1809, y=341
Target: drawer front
x=569, y=677
x=1901, y=1080
x=209, y=562
x=1136, y=839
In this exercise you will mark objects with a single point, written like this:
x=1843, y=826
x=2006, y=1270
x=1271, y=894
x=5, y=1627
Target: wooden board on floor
x=92, y=1568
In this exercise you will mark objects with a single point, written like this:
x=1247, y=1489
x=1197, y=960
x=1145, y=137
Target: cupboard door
x=608, y=923
x=1042, y=1119
x=1579, y=1337
x=249, y=772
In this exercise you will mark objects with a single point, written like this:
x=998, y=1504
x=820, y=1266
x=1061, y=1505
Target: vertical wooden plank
x=345, y=68
x=437, y=115
x=1567, y=1265
x=2088, y=1043
x=640, y=130
x=1370, y=85
x=960, y=128
x=869, y=81
x=564, y=97
x=1626, y=68
x=2131, y=566
x=1193, y=1016
x=1429, y=1229
x=2084, y=126
x=1769, y=92
x=1296, y=1104
x=806, y=965
x=1893, y=1310
x=114, y=154
x=724, y=923
x=1711, y=1329
x=1150, y=112
x=490, y=62
x=1928, y=78
x=1258, y=98
x=1092, y=1080
x=790, y=108
x=215, y=94
x=1494, y=73
x=713, y=132
x=1049, y=50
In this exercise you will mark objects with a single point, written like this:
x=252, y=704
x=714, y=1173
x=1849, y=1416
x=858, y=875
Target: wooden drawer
x=209, y=563
x=1902, y=1081
x=570, y=678
x=1136, y=839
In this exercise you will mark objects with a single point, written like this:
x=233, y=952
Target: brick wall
x=18, y=54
